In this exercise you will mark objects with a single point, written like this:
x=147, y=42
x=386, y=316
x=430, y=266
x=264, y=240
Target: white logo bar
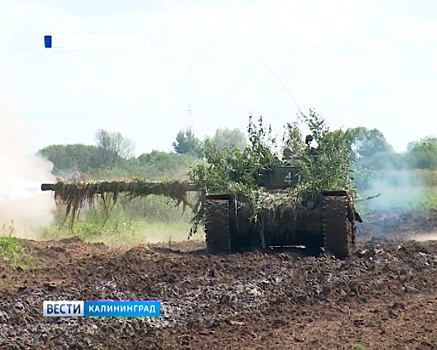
x=63, y=308
x=96, y=41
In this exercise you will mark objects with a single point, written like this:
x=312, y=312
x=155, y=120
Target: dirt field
x=385, y=297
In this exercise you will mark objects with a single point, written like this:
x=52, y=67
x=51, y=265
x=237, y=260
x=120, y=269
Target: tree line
x=373, y=151
x=112, y=156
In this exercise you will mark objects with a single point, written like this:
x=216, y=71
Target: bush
x=11, y=249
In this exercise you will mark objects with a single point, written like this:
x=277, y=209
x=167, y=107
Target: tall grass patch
x=144, y=219
x=12, y=251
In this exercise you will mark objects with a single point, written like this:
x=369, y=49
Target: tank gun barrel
x=47, y=187
x=81, y=192
x=121, y=186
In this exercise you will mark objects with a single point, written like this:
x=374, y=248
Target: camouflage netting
x=76, y=196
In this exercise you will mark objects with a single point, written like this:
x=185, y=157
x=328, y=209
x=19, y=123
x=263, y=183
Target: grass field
x=12, y=250
x=125, y=233
x=146, y=220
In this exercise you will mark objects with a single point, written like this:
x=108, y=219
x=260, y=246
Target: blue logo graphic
x=103, y=308
x=129, y=308
x=48, y=41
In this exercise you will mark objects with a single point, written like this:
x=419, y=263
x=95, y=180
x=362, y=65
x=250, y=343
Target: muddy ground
x=384, y=297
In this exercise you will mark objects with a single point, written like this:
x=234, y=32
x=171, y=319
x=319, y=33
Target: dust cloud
x=422, y=237
x=395, y=189
x=23, y=207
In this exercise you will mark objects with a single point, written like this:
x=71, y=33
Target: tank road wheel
x=217, y=230
x=338, y=228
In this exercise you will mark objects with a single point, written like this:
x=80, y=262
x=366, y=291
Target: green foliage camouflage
x=327, y=167
x=76, y=196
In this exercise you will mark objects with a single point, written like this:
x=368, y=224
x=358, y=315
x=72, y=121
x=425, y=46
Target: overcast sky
x=358, y=63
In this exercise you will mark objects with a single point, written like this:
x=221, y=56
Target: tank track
x=217, y=228
x=338, y=226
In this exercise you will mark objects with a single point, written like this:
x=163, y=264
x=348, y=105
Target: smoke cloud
x=22, y=203
x=397, y=189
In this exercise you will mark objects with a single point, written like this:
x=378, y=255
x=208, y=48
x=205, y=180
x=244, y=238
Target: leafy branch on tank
x=325, y=167
x=77, y=196
x=234, y=171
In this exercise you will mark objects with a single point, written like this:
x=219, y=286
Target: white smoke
x=21, y=173
x=397, y=189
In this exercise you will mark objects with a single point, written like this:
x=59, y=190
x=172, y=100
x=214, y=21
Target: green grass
x=122, y=233
x=12, y=251
x=359, y=347
x=144, y=220
x=427, y=177
x=430, y=198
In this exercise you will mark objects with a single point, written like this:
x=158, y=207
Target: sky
x=203, y=64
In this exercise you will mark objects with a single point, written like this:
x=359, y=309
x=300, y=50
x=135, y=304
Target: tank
x=327, y=222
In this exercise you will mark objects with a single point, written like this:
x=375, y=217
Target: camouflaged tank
x=327, y=222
